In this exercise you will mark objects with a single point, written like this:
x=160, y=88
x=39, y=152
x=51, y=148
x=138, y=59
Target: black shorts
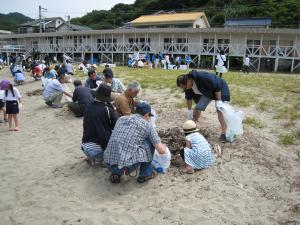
x=12, y=107
x=2, y=104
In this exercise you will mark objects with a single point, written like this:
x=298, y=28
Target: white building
x=269, y=49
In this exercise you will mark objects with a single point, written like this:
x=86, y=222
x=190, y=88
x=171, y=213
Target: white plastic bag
x=233, y=120
x=161, y=162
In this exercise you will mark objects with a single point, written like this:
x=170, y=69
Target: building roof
x=168, y=18
x=37, y=22
x=248, y=22
x=5, y=32
x=77, y=27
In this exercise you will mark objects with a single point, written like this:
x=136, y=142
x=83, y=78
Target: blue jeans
x=145, y=167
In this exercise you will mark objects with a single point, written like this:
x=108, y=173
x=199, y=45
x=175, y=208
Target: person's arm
x=189, y=104
x=75, y=97
x=161, y=148
x=68, y=94
x=124, y=108
x=218, y=95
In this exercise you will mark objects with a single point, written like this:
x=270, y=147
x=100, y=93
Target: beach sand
x=45, y=181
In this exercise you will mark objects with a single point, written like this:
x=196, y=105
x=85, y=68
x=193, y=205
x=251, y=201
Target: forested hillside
x=11, y=20
x=284, y=13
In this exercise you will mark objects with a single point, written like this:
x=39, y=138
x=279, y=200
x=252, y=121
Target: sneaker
x=49, y=103
x=222, y=138
x=56, y=106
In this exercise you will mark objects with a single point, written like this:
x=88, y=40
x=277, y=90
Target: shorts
x=12, y=107
x=203, y=103
x=2, y=104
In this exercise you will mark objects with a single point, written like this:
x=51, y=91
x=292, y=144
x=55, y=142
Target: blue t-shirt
x=51, y=74
x=19, y=76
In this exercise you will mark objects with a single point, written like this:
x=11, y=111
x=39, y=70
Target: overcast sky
x=61, y=8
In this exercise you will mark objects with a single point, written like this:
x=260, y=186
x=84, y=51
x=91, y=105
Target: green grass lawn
x=278, y=94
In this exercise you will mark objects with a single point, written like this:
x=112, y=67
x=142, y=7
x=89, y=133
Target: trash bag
x=221, y=69
x=233, y=120
x=161, y=162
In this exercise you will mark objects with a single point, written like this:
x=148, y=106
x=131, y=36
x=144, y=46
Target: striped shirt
x=200, y=155
x=127, y=142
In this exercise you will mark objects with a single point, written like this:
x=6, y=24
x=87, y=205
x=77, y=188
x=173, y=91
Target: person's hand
x=20, y=105
x=190, y=114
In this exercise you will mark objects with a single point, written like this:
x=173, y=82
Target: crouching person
x=54, y=91
x=98, y=122
x=197, y=154
x=132, y=145
x=82, y=96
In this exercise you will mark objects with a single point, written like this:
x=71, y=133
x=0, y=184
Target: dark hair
x=11, y=88
x=56, y=67
x=246, y=55
x=77, y=83
x=106, y=66
x=91, y=71
x=182, y=79
x=222, y=52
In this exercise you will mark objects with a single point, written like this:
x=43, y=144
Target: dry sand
x=45, y=181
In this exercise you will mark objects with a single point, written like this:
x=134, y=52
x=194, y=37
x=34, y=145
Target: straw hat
x=189, y=126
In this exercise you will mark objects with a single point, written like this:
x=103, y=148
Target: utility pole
x=41, y=10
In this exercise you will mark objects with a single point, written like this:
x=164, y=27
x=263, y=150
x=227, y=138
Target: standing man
x=125, y=103
x=246, y=64
x=82, y=96
x=132, y=145
x=204, y=87
x=221, y=66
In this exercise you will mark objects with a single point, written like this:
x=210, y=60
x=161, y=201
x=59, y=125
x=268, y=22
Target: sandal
x=187, y=170
x=115, y=178
x=144, y=179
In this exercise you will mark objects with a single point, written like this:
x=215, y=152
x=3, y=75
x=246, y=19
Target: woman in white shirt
x=220, y=67
x=12, y=99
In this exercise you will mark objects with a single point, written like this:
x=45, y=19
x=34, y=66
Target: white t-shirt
x=136, y=56
x=221, y=59
x=247, y=61
x=2, y=94
x=196, y=90
x=10, y=96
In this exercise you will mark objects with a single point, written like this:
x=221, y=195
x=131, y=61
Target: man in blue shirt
x=203, y=87
x=54, y=91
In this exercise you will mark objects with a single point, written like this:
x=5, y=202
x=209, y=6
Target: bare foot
x=17, y=129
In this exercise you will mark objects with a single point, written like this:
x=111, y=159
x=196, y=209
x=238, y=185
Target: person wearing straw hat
x=197, y=154
x=98, y=122
x=55, y=90
x=132, y=145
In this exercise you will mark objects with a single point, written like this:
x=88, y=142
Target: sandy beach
x=45, y=180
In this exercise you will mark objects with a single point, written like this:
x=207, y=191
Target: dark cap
x=108, y=73
x=143, y=108
x=103, y=93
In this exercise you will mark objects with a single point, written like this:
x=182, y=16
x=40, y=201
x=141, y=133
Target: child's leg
x=15, y=116
x=9, y=121
x=221, y=75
